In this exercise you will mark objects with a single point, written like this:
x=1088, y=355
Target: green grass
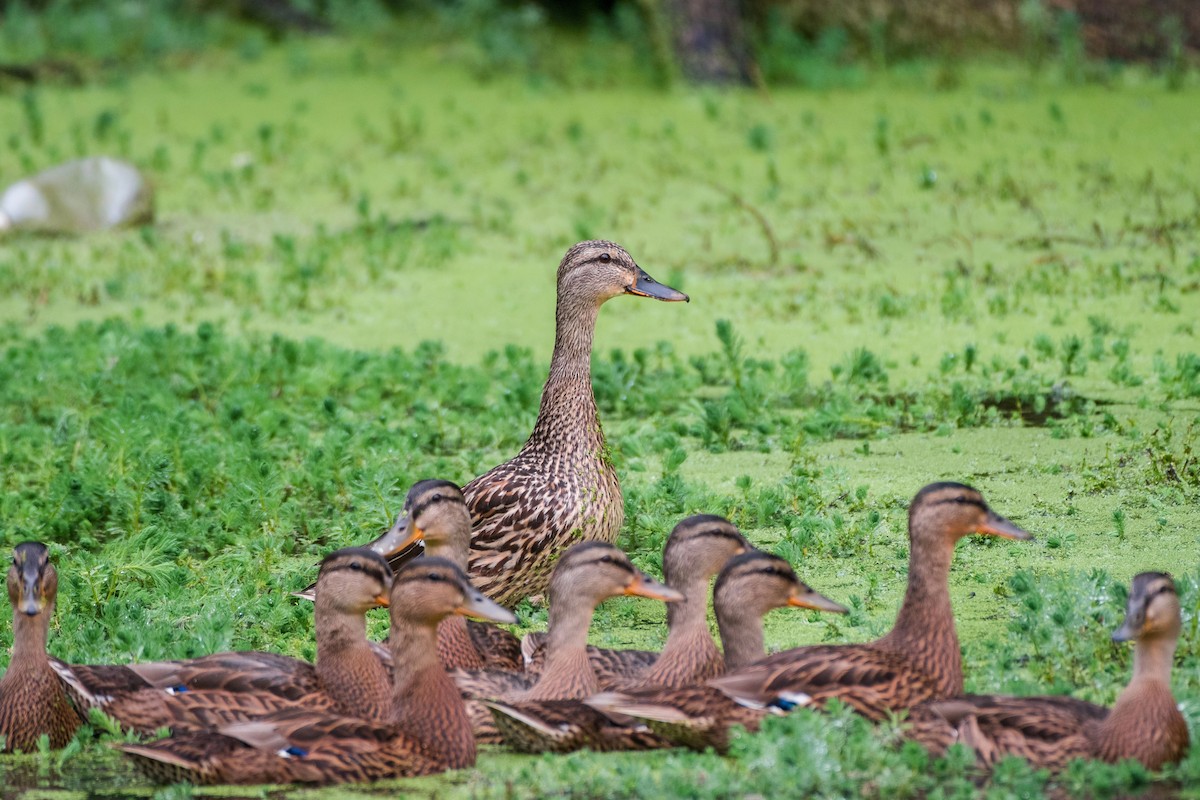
x=350, y=287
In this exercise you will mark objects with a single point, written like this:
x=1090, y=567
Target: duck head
x=32, y=579
x=699, y=546
x=1152, y=610
x=353, y=580
x=949, y=511
x=434, y=514
x=602, y=270
x=427, y=590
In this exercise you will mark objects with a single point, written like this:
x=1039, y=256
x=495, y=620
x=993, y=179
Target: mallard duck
x=918, y=660
x=32, y=703
x=1144, y=723
x=561, y=488
x=749, y=586
x=436, y=515
x=349, y=676
x=586, y=575
x=696, y=550
x=429, y=731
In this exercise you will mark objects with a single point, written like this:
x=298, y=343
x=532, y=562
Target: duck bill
x=382, y=600
x=996, y=525
x=645, y=586
x=476, y=605
x=645, y=286
x=30, y=600
x=807, y=598
x=401, y=536
x=1125, y=633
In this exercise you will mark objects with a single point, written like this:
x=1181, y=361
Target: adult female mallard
x=428, y=730
x=749, y=586
x=560, y=488
x=918, y=660
x=1144, y=723
x=32, y=703
x=349, y=677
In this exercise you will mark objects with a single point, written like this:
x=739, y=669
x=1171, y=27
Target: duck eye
x=357, y=567
x=436, y=576
x=605, y=257
x=606, y=559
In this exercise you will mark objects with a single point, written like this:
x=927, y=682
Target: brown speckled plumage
x=560, y=488
x=1144, y=724
x=428, y=733
x=32, y=702
x=918, y=661
x=350, y=677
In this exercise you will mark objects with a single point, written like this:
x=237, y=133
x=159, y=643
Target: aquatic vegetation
x=347, y=290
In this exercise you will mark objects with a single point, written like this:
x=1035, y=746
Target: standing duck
x=428, y=730
x=32, y=703
x=349, y=676
x=749, y=586
x=561, y=487
x=696, y=550
x=1144, y=724
x=586, y=575
x=918, y=660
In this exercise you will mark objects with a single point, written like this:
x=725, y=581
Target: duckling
x=749, y=586
x=561, y=487
x=32, y=703
x=428, y=732
x=696, y=550
x=435, y=514
x=349, y=678
x=1144, y=724
x=918, y=660
x=586, y=575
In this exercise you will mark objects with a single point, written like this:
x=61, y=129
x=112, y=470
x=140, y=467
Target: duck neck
x=340, y=637
x=29, y=642
x=427, y=705
x=1152, y=660
x=349, y=671
x=455, y=552
x=568, y=673
x=456, y=648
x=689, y=650
x=741, y=630
x=568, y=404
x=924, y=629
x=1146, y=706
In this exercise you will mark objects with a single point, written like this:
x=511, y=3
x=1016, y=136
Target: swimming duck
x=586, y=575
x=428, y=732
x=696, y=550
x=32, y=703
x=749, y=586
x=561, y=487
x=349, y=677
x=918, y=660
x=1144, y=723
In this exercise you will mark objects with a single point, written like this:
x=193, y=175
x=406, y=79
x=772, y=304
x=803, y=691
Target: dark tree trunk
x=709, y=40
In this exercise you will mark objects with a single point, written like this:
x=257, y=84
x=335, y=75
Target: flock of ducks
x=544, y=522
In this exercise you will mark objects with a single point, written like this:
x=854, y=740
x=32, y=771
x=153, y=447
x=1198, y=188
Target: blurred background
x=760, y=42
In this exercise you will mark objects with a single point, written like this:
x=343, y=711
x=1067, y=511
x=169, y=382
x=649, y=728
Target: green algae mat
x=350, y=286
